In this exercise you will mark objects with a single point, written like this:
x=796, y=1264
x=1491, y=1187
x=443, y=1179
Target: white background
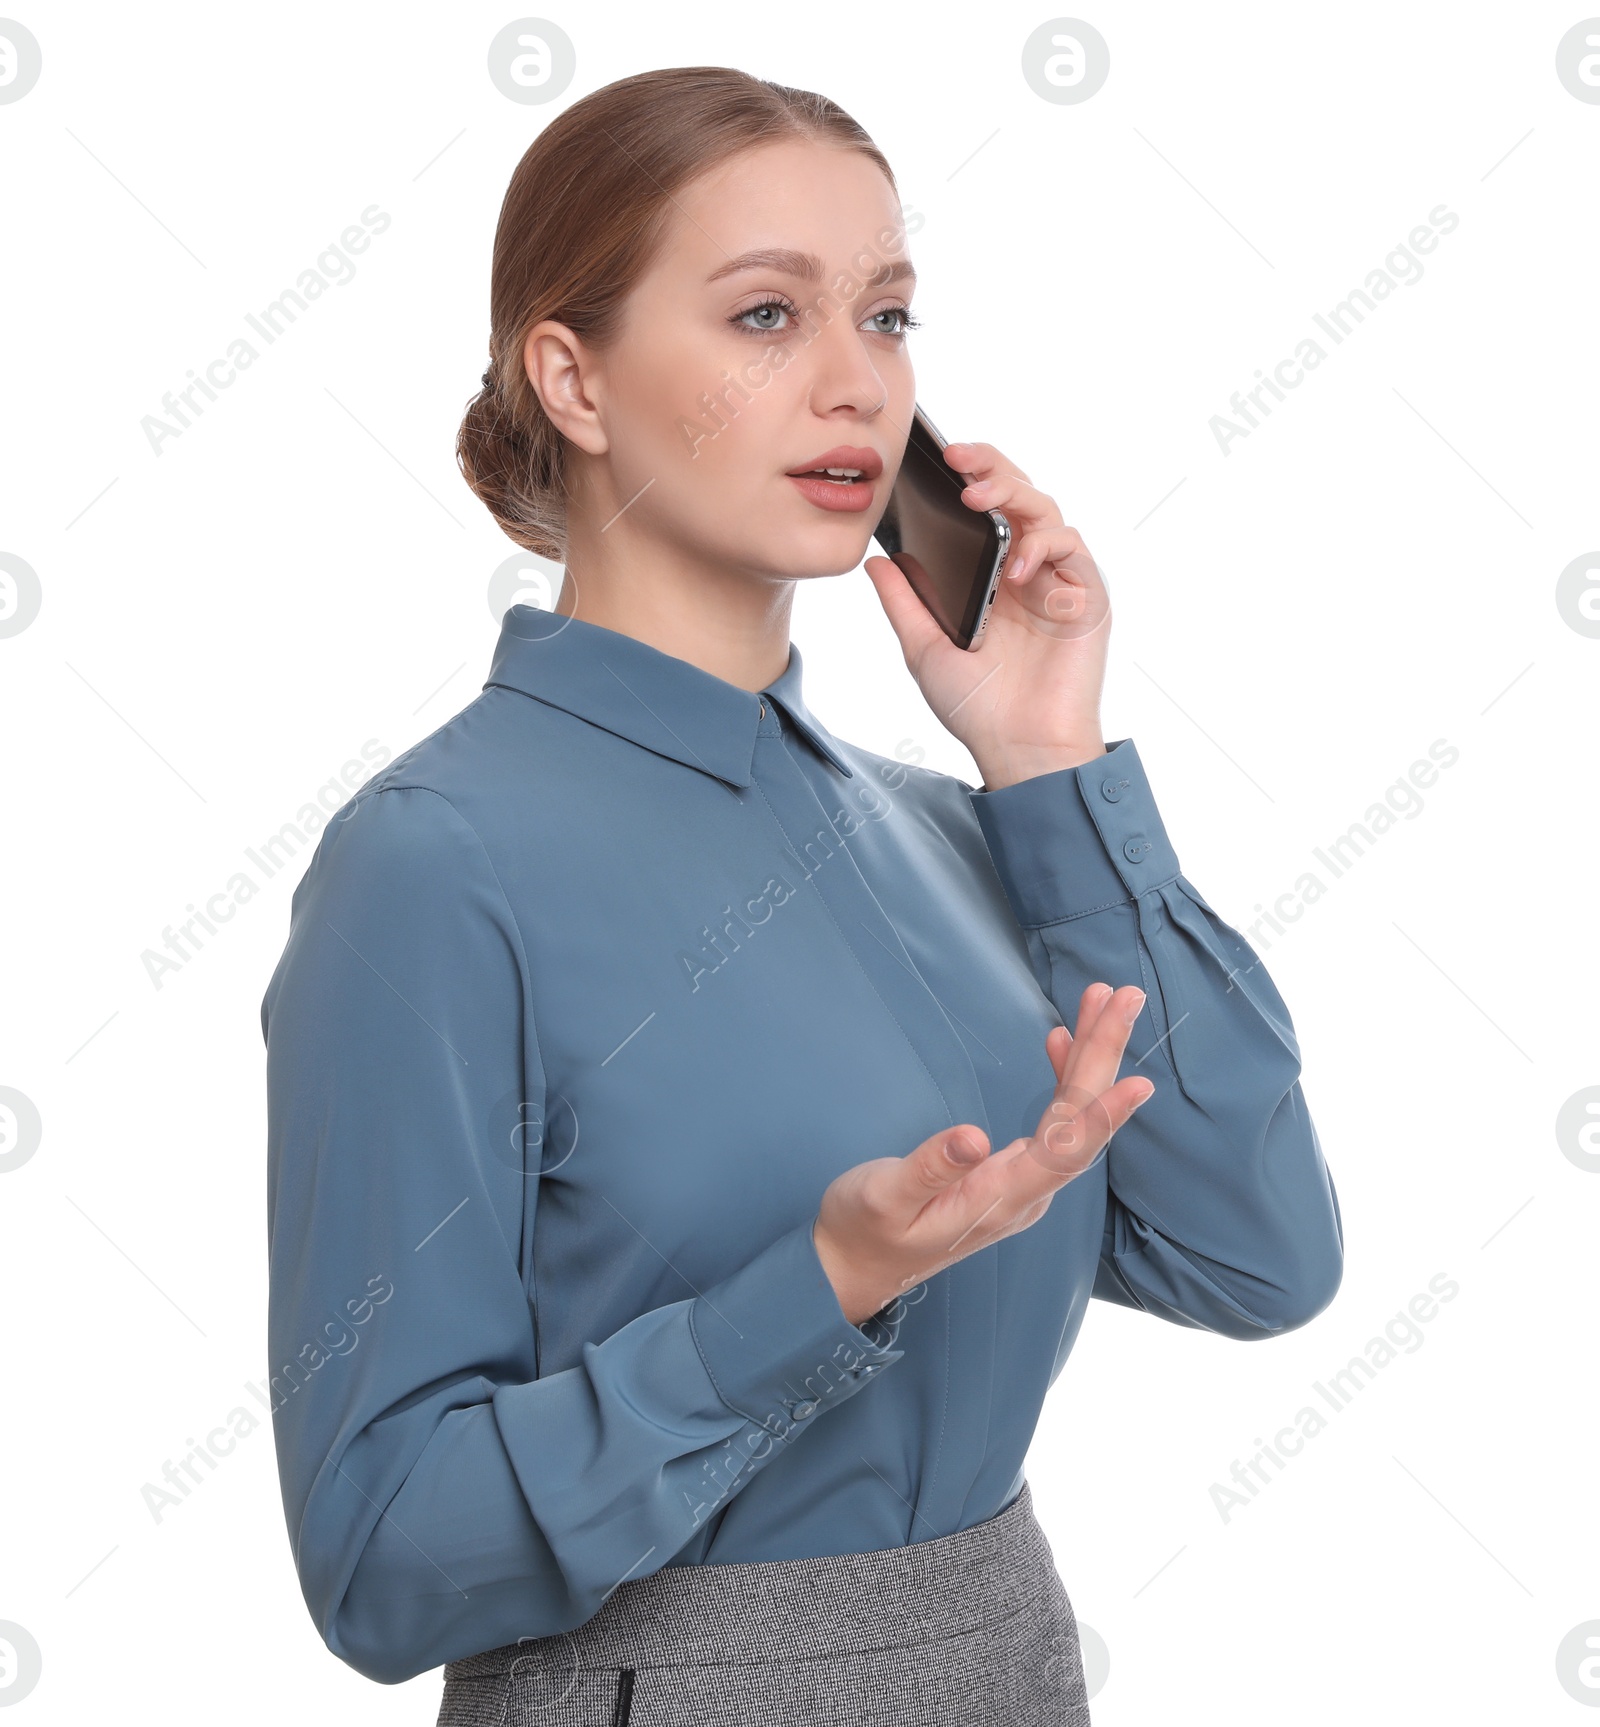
x=1373, y=568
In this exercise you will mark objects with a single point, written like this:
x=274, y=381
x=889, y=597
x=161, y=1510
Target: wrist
x=856, y=1300
x=1002, y=768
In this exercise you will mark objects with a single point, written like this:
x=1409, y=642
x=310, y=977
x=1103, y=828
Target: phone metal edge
x=1002, y=528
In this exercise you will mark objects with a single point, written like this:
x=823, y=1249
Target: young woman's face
x=768, y=334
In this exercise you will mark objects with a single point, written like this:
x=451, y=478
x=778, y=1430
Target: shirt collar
x=651, y=698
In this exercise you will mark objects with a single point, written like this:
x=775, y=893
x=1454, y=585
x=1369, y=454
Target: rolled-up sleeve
x=1222, y=1214
x=444, y=1497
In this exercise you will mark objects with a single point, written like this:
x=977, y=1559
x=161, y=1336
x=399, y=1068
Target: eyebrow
x=806, y=265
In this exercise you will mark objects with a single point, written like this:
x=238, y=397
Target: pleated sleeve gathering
x=1222, y=1214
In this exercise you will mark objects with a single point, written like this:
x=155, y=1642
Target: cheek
x=900, y=382
x=755, y=403
x=731, y=417
x=672, y=419
x=653, y=386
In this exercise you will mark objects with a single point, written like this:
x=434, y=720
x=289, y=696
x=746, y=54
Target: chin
x=825, y=549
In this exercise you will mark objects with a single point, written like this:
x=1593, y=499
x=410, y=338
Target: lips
x=848, y=492
x=867, y=461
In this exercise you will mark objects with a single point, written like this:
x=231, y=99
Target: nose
x=845, y=376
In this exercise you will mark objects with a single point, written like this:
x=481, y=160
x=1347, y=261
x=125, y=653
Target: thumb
x=910, y=620
x=945, y=1157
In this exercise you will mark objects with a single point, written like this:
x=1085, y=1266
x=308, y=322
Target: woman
x=683, y=1189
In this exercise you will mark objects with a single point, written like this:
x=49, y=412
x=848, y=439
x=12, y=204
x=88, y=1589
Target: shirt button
x=1135, y=849
x=1112, y=790
x=802, y=1410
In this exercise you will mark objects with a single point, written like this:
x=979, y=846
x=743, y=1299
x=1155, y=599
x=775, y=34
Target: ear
x=563, y=373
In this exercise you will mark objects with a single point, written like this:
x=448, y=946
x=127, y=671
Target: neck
x=731, y=623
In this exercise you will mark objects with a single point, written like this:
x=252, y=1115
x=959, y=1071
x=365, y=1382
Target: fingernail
x=1143, y=1096
x=961, y=1151
x=1135, y=1003
x=980, y=485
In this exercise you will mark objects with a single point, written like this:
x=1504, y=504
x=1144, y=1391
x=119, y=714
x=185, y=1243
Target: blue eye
x=778, y=304
x=903, y=313
x=764, y=318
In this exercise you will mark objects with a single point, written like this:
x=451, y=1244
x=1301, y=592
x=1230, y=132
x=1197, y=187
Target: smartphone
x=951, y=553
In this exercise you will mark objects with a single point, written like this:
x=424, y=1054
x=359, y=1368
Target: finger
x=1060, y=1043
x=948, y=1217
x=984, y=1196
x=1084, y=1066
x=1057, y=585
x=1022, y=502
x=1011, y=1189
x=1055, y=545
x=1105, y=1022
x=1098, y=1050
x=1035, y=571
x=916, y=627
x=1058, y=1046
x=1071, y=1136
x=1076, y=1136
x=1091, y=1004
x=981, y=461
x=1080, y=1111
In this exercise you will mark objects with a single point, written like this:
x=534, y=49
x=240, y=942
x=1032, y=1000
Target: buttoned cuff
x=776, y=1342
x=1077, y=840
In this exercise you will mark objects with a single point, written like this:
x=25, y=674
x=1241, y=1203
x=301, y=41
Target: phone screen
x=950, y=553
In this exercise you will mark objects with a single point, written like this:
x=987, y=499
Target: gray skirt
x=973, y=1628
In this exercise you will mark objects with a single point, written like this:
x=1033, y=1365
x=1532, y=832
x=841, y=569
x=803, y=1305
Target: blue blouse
x=586, y=999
